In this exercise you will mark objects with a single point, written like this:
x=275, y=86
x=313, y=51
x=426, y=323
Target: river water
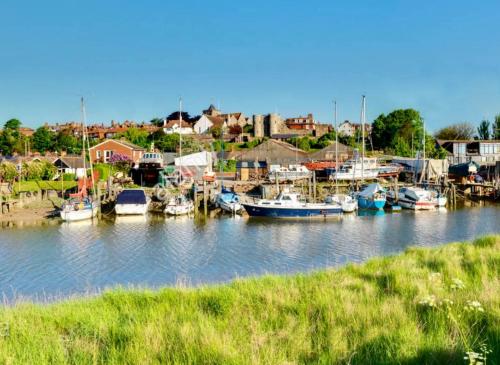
x=58, y=260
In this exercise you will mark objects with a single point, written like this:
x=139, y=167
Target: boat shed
x=328, y=153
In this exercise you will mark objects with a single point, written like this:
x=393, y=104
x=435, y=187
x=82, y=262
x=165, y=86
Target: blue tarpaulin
x=131, y=197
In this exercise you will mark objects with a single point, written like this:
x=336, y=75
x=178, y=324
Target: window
x=107, y=155
x=98, y=154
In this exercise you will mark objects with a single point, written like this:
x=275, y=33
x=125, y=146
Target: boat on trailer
x=289, y=205
x=132, y=202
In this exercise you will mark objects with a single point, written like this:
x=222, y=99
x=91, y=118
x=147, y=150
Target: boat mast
x=84, y=156
x=85, y=133
x=424, y=169
x=180, y=140
x=363, y=106
x=336, y=150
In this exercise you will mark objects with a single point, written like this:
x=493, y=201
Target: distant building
x=27, y=132
x=207, y=122
x=349, y=129
x=71, y=165
x=328, y=153
x=306, y=123
x=174, y=126
x=483, y=152
x=103, y=151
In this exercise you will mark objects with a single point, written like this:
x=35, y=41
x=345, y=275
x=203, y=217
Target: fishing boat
x=372, y=197
x=291, y=173
x=80, y=206
x=289, y=205
x=132, y=202
x=358, y=169
x=228, y=201
x=414, y=198
x=179, y=205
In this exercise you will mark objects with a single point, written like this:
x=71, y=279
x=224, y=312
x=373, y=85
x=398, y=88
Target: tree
x=216, y=132
x=496, y=127
x=166, y=142
x=136, y=136
x=483, y=130
x=8, y=171
x=175, y=116
x=399, y=130
x=43, y=140
x=65, y=141
x=157, y=122
x=462, y=130
x=121, y=163
x=11, y=139
x=235, y=129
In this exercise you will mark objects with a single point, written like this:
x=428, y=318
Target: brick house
x=103, y=151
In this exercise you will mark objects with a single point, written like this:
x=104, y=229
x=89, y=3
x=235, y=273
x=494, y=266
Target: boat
x=179, y=205
x=372, y=197
x=291, y=173
x=228, y=201
x=80, y=206
x=414, y=198
x=78, y=209
x=439, y=199
x=357, y=169
x=132, y=202
x=289, y=205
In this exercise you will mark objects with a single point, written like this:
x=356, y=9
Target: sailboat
x=80, y=206
x=373, y=196
x=180, y=204
x=347, y=202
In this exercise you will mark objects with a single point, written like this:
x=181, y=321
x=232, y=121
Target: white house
x=174, y=126
x=206, y=122
x=349, y=129
x=71, y=165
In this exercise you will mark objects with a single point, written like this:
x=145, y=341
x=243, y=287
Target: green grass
x=391, y=310
x=32, y=185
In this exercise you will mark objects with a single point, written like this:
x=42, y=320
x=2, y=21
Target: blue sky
x=133, y=59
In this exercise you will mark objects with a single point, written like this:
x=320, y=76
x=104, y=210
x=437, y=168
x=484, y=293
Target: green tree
x=43, y=140
x=216, y=132
x=496, y=127
x=462, y=130
x=483, y=130
x=402, y=125
x=8, y=171
x=11, y=139
x=65, y=141
x=157, y=122
x=136, y=136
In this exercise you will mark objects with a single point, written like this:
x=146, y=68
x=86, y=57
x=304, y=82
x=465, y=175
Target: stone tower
x=258, y=126
x=275, y=124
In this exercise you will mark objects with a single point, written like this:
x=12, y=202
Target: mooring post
x=205, y=198
x=314, y=186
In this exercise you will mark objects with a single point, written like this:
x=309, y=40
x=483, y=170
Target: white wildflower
x=429, y=301
x=457, y=284
x=435, y=277
x=474, y=306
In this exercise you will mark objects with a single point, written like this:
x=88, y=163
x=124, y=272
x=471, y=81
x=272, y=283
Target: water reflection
x=157, y=251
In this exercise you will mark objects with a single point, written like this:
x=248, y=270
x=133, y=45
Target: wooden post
x=277, y=183
x=205, y=198
x=396, y=192
x=314, y=186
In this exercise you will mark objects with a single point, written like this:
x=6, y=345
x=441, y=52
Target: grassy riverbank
x=426, y=306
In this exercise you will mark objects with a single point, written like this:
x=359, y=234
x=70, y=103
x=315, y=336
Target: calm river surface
x=72, y=258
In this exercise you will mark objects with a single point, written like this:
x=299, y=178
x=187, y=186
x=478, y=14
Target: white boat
x=80, y=206
x=229, y=201
x=414, y=198
x=347, y=202
x=291, y=173
x=358, y=170
x=440, y=201
x=179, y=205
x=78, y=209
x=132, y=202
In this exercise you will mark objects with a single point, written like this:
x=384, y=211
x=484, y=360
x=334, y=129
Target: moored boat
x=179, y=205
x=289, y=205
x=78, y=209
x=228, y=201
x=372, y=197
x=291, y=173
x=132, y=202
x=414, y=198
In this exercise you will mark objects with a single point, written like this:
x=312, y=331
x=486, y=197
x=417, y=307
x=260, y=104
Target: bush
x=8, y=171
x=69, y=177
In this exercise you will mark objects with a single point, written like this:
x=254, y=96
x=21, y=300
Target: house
x=26, y=132
x=207, y=122
x=71, y=165
x=349, y=129
x=301, y=122
x=233, y=119
x=103, y=151
x=174, y=126
x=485, y=152
x=328, y=153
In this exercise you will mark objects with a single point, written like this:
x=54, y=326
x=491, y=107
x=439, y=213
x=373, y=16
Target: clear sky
x=133, y=59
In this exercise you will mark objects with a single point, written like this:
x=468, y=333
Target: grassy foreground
x=426, y=306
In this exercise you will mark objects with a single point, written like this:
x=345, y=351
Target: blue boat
x=372, y=197
x=288, y=205
x=229, y=201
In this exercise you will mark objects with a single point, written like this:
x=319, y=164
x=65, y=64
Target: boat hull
x=78, y=215
x=255, y=210
x=366, y=203
x=131, y=209
x=177, y=210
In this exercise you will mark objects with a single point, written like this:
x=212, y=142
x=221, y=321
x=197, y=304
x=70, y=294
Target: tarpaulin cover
x=131, y=197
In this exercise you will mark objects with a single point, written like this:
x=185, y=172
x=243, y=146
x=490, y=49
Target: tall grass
x=426, y=306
